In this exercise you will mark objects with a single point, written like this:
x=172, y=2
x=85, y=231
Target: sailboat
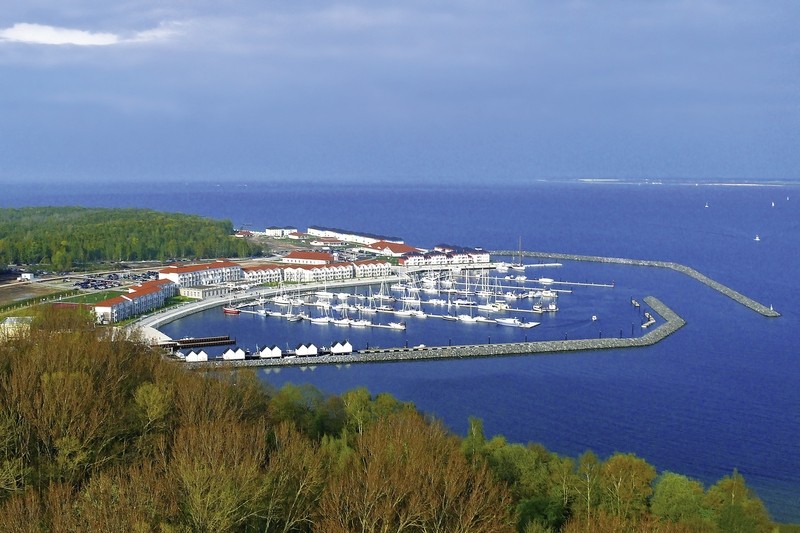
x=757, y=238
x=519, y=265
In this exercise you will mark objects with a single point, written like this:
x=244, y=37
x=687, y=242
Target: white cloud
x=52, y=35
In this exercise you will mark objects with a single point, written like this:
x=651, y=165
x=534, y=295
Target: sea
x=720, y=395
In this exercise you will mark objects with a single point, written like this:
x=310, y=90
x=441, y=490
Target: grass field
x=16, y=292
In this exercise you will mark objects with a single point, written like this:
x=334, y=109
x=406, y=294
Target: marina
x=469, y=297
x=672, y=323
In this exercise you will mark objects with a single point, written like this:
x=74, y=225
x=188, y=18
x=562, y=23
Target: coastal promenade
x=683, y=269
x=672, y=323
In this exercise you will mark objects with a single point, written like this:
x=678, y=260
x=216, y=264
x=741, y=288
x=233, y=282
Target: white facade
x=299, y=257
x=214, y=273
x=350, y=236
x=233, y=354
x=201, y=293
x=263, y=274
x=341, y=348
x=140, y=299
x=270, y=352
x=196, y=357
x=306, y=349
x=279, y=232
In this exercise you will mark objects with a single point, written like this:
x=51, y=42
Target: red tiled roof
x=134, y=292
x=393, y=247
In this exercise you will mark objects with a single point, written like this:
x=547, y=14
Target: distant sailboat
x=773, y=204
x=757, y=238
x=706, y=204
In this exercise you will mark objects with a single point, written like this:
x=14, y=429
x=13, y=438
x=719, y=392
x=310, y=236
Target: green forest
x=99, y=433
x=66, y=237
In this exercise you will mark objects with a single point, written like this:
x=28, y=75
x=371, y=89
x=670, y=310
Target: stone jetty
x=672, y=322
x=683, y=269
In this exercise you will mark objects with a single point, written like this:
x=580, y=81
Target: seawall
x=702, y=278
x=672, y=323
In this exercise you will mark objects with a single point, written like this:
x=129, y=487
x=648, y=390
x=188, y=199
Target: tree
x=408, y=475
x=677, y=498
x=736, y=507
x=625, y=481
x=587, y=484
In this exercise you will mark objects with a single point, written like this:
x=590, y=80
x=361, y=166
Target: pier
x=683, y=269
x=672, y=323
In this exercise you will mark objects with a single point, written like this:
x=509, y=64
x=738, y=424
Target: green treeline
x=67, y=236
x=98, y=433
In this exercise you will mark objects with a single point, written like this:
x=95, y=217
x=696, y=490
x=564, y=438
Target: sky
x=399, y=91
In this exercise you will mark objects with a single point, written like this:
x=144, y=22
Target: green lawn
x=93, y=297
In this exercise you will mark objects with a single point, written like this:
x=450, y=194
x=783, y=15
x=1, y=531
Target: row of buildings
x=273, y=352
x=298, y=266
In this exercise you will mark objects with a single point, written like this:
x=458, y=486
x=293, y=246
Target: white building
x=306, y=350
x=265, y=273
x=270, y=352
x=372, y=268
x=196, y=357
x=341, y=348
x=350, y=236
x=140, y=299
x=233, y=354
x=220, y=271
x=301, y=257
x=279, y=233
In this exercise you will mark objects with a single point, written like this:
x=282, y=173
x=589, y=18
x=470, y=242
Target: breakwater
x=672, y=323
x=683, y=269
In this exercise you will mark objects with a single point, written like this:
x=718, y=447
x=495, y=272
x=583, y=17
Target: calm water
x=722, y=393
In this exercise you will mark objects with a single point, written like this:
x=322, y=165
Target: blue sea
x=723, y=393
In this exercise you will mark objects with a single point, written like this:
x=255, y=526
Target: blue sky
x=417, y=90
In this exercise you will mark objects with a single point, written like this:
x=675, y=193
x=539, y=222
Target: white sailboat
x=519, y=265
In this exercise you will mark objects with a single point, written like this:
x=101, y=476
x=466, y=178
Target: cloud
x=23, y=32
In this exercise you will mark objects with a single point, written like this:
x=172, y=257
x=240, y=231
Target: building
x=372, y=268
x=317, y=273
x=341, y=348
x=453, y=257
x=350, y=236
x=270, y=352
x=301, y=257
x=280, y=233
x=234, y=354
x=264, y=273
x=140, y=299
x=201, y=293
x=306, y=350
x=391, y=249
x=196, y=357
x=220, y=271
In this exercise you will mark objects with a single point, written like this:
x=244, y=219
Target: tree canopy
x=68, y=236
x=99, y=433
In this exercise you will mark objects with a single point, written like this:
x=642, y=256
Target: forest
x=99, y=433
x=67, y=237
